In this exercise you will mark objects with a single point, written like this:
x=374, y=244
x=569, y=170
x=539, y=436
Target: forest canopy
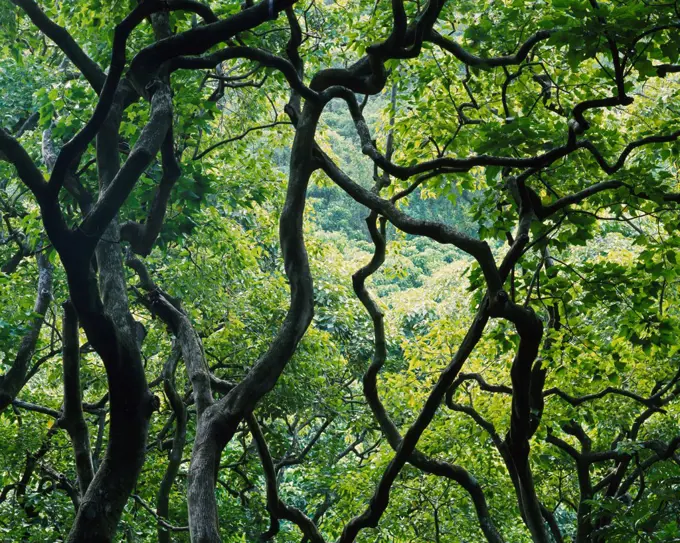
x=313, y=271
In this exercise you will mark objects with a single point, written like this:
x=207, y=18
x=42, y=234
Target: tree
x=553, y=143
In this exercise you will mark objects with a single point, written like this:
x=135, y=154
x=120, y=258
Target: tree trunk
x=72, y=419
x=219, y=422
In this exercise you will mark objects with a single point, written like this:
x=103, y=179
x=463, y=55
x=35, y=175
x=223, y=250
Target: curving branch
x=368, y=75
x=200, y=39
x=387, y=426
x=380, y=498
x=28, y=406
x=531, y=164
x=483, y=384
x=437, y=231
x=15, y=378
x=219, y=422
x=72, y=419
x=584, y=526
x=141, y=237
x=76, y=145
x=276, y=507
x=178, y=442
x=160, y=520
x=239, y=137
x=11, y=151
x=652, y=401
x=191, y=348
x=264, y=58
x=470, y=59
x=299, y=458
x=662, y=452
x=141, y=155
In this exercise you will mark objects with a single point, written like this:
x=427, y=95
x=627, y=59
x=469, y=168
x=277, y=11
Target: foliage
x=516, y=161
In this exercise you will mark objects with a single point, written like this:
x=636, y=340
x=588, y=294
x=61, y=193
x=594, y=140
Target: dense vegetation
x=339, y=271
